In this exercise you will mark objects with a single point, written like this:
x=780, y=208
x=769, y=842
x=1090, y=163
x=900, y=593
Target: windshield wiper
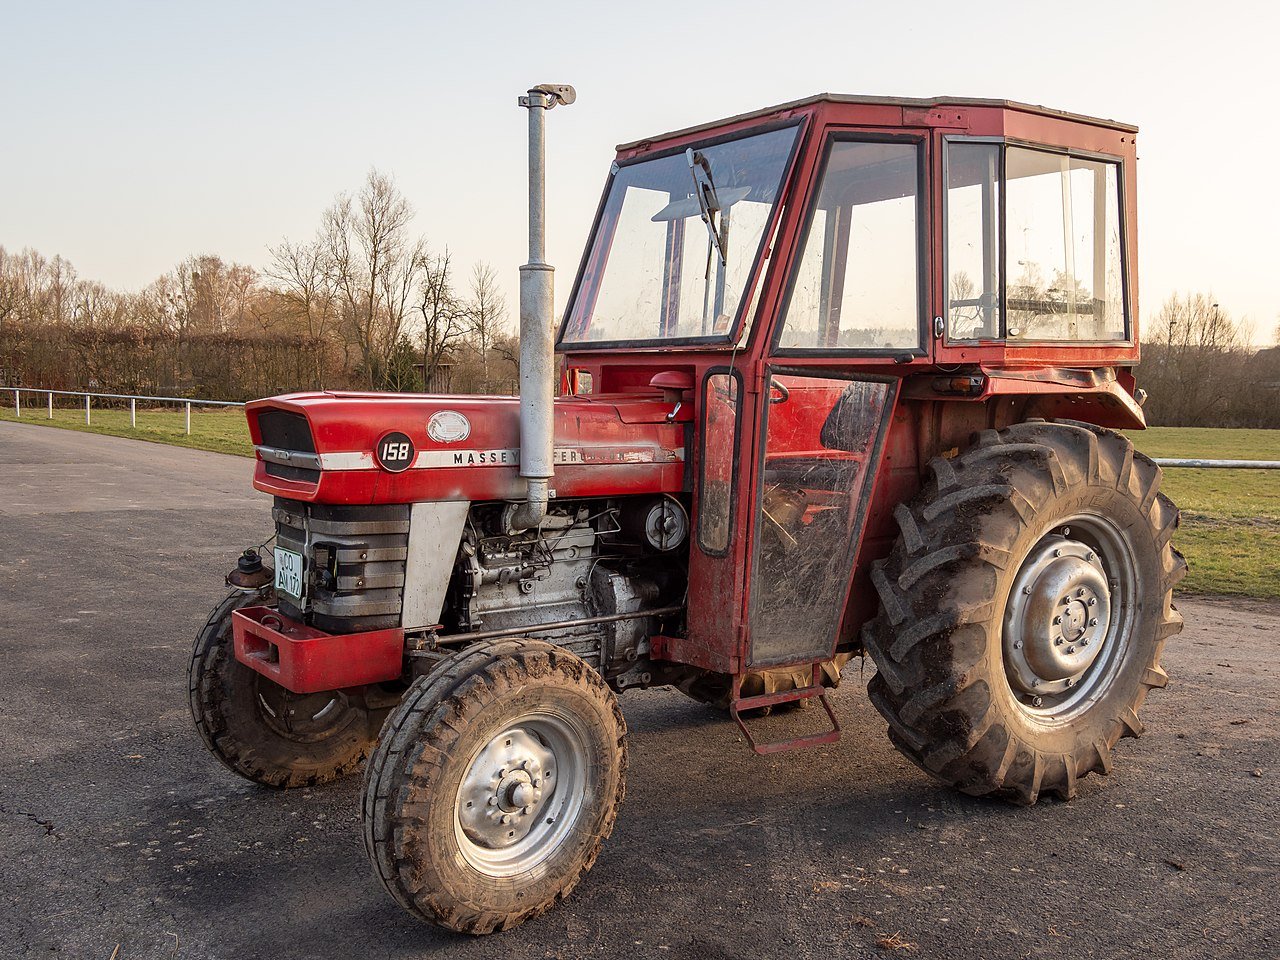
x=708, y=204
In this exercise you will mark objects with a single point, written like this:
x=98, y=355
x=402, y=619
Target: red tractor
x=838, y=377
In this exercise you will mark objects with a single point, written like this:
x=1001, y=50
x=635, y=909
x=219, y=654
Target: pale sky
x=136, y=134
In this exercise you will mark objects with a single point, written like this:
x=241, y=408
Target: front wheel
x=1024, y=609
x=494, y=785
x=259, y=729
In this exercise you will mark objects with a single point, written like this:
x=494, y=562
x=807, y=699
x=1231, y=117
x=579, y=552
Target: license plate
x=289, y=572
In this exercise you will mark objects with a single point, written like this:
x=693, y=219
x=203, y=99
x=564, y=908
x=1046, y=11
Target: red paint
x=306, y=660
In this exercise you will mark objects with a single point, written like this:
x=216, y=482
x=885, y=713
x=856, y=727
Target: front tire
x=494, y=785
x=262, y=731
x=1024, y=608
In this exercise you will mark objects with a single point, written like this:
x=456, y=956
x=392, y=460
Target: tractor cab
x=811, y=268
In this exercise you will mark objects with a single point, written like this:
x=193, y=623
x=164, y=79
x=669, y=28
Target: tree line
x=365, y=303
x=1200, y=369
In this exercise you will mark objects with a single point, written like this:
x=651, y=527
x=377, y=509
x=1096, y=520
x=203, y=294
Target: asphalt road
x=118, y=829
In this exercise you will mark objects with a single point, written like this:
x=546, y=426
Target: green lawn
x=221, y=429
x=1230, y=518
x=1208, y=443
x=1230, y=530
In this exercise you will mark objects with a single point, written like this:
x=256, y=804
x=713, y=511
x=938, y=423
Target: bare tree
x=488, y=313
x=305, y=274
x=373, y=264
x=1192, y=362
x=446, y=320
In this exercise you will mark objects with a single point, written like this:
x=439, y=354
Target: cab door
x=852, y=314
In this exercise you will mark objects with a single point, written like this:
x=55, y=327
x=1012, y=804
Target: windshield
x=676, y=243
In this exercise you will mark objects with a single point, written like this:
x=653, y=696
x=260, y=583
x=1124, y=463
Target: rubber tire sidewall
x=1125, y=687
x=223, y=696
x=427, y=746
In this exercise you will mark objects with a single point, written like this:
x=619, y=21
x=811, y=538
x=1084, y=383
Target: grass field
x=221, y=429
x=1230, y=518
x=1230, y=530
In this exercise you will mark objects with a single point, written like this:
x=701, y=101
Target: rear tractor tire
x=1024, y=608
x=259, y=729
x=494, y=785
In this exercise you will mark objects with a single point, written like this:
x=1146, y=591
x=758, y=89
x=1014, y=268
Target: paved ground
x=117, y=828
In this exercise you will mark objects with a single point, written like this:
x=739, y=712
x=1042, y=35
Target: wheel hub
x=505, y=792
x=1058, y=617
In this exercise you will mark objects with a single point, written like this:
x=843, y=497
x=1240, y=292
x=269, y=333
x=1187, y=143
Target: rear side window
x=1034, y=245
x=1062, y=253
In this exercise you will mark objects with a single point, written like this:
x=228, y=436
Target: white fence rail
x=186, y=403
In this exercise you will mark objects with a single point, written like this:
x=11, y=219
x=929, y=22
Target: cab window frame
x=921, y=142
x=1002, y=337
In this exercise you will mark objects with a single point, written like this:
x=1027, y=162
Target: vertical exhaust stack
x=537, y=306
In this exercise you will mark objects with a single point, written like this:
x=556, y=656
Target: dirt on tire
x=413, y=779
x=232, y=713
x=937, y=639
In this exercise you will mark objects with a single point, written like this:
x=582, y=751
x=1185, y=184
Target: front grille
x=353, y=566
x=288, y=450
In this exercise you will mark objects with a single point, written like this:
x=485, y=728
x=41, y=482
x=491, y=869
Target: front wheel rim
x=522, y=795
x=1069, y=617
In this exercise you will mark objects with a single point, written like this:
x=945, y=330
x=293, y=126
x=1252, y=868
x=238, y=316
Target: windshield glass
x=677, y=241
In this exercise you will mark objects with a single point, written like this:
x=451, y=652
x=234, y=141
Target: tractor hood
x=354, y=448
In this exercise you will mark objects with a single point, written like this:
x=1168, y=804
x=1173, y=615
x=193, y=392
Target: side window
x=1062, y=255
x=721, y=399
x=973, y=241
x=857, y=285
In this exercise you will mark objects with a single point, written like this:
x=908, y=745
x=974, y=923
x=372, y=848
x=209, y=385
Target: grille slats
x=354, y=562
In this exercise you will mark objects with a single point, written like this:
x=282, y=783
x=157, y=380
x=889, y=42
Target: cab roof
x=921, y=103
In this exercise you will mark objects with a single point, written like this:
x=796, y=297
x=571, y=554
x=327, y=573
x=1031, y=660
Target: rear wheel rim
x=522, y=795
x=1069, y=617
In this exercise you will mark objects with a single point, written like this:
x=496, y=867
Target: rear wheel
x=1024, y=609
x=494, y=785
x=259, y=729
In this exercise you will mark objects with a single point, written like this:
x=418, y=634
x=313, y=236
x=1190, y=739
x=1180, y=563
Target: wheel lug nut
x=1067, y=682
x=1057, y=553
x=1080, y=592
x=1037, y=701
x=1071, y=649
x=1057, y=641
x=1093, y=601
x=493, y=802
x=1089, y=555
x=1017, y=644
x=1057, y=620
x=506, y=819
x=1084, y=641
x=1093, y=622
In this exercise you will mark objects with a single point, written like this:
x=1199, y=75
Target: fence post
x=86, y=410
x=188, y=418
x=50, y=404
x=17, y=404
x=133, y=412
